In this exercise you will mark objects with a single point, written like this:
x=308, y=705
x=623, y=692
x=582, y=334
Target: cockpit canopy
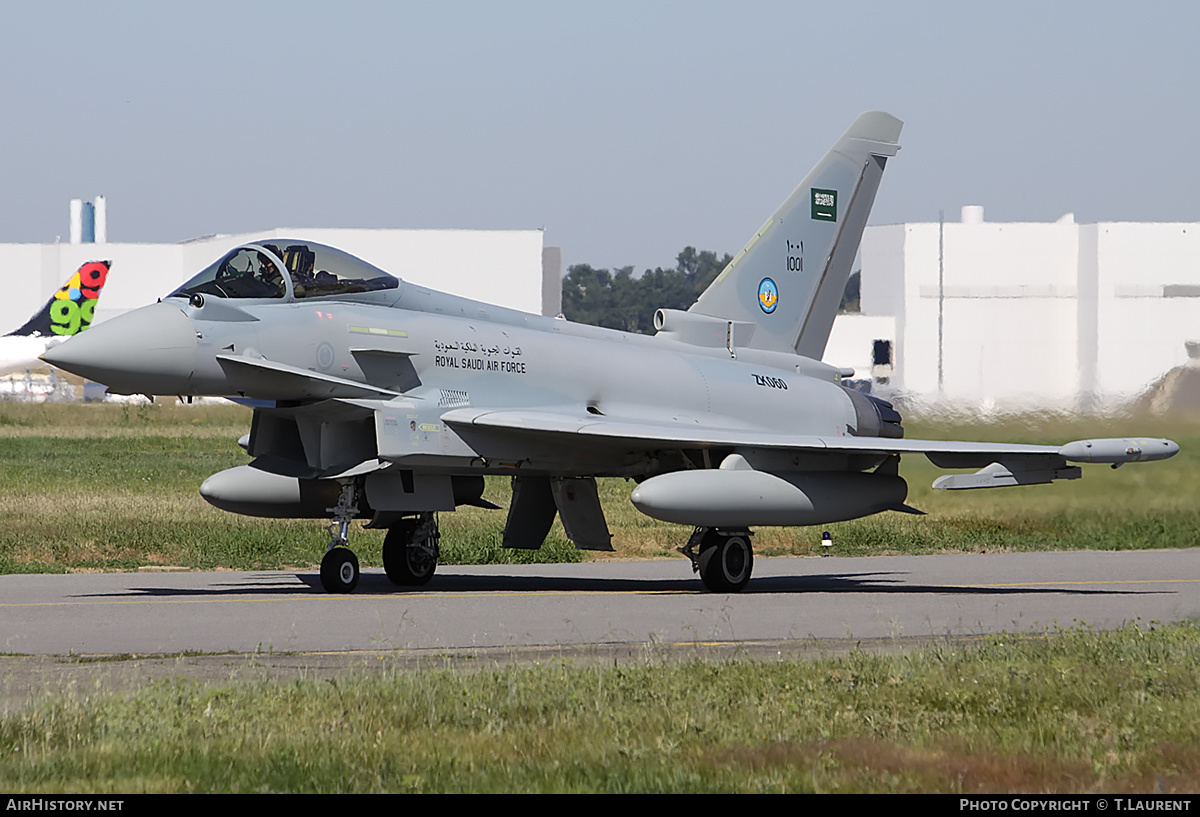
x=312, y=270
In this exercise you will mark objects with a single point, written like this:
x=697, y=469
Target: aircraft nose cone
x=151, y=350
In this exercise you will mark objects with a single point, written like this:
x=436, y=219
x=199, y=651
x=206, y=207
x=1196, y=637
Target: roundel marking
x=768, y=295
x=325, y=357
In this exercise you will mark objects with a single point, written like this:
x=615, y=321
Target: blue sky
x=627, y=130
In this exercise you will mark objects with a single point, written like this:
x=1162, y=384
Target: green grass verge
x=1081, y=711
x=115, y=488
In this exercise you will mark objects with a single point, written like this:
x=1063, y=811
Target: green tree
x=701, y=268
x=621, y=301
x=852, y=297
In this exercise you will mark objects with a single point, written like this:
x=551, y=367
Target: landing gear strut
x=410, y=550
x=339, y=568
x=725, y=559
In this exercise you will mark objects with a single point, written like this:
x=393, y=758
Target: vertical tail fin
x=70, y=310
x=788, y=280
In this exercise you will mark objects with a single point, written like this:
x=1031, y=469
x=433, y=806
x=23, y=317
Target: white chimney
x=101, y=220
x=76, y=221
x=972, y=214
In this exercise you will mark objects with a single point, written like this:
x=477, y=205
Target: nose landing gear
x=339, y=568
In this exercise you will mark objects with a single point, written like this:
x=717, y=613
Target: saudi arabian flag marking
x=824, y=204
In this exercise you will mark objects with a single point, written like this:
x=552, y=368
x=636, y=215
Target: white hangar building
x=506, y=267
x=1014, y=316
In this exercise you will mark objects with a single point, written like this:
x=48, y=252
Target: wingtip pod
x=1119, y=450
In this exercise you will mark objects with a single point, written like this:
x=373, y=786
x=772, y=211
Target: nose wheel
x=339, y=571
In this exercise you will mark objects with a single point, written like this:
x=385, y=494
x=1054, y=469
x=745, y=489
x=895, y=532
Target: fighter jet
x=380, y=400
x=68, y=312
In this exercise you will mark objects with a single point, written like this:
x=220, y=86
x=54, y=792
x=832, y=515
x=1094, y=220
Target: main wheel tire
x=339, y=571
x=406, y=566
x=726, y=561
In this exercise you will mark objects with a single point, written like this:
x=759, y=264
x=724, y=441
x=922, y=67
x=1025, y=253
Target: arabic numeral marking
x=795, y=263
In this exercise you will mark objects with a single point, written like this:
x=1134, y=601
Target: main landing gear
x=725, y=559
x=410, y=549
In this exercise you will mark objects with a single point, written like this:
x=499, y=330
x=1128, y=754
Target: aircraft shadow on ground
x=377, y=584
x=867, y=582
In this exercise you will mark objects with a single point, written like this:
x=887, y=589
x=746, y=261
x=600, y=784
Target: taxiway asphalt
x=603, y=603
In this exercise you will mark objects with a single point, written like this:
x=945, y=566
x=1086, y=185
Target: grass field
x=104, y=487
x=1077, y=712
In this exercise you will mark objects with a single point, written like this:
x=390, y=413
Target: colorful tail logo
x=71, y=309
x=75, y=303
x=768, y=295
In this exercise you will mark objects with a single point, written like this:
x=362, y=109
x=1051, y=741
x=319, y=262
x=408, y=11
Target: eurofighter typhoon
x=380, y=400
